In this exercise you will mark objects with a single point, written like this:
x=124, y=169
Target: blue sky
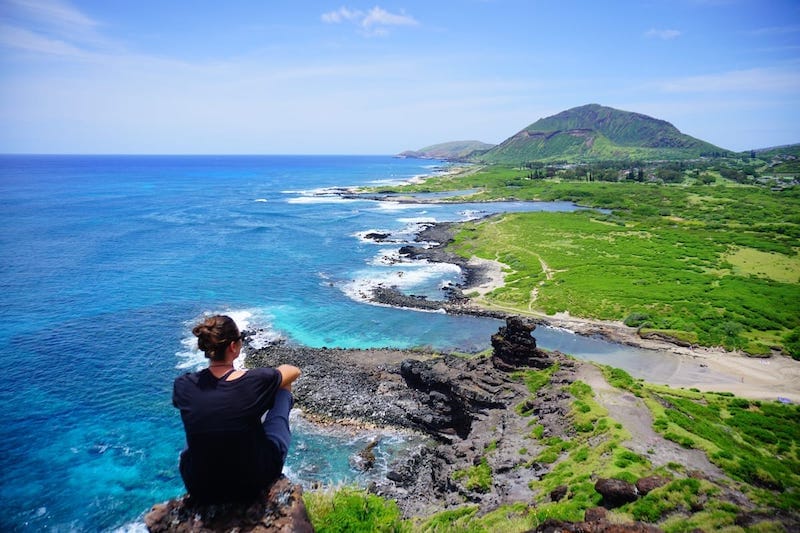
x=379, y=77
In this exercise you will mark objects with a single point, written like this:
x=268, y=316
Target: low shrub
x=624, y=458
x=477, y=478
x=348, y=510
x=635, y=320
x=679, y=494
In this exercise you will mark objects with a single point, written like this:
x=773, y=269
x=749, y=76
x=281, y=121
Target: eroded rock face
x=281, y=509
x=515, y=348
x=451, y=392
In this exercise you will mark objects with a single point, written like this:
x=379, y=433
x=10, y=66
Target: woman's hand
x=289, y=374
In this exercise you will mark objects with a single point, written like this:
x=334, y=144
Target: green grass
x=715, y=266
x=708, y=265
x=536, y=379
x=477, y=478
x=353, y=510
x=754, y=442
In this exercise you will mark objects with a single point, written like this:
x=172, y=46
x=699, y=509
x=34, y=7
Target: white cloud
x=29, y=41
x=374, y=22
x=776, y=30
x=50, y=27
x=663, y=34
x=757, y=79
x=342, y=14
x=50, y=12
x=381, y=17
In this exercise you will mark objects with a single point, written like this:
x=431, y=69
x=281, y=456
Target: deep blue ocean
x=108, y=261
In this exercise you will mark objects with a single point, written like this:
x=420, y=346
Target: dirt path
x=632, y=413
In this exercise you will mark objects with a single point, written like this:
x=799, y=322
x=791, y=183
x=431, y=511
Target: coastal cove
x=112, y=259
x=655, y=359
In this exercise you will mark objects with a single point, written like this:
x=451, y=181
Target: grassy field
x=712, y=265
x=754, y=443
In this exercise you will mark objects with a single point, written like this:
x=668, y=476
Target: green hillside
x=594, y=132
x=455, y=150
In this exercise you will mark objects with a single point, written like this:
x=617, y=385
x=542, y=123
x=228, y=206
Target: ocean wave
x=322, y=200
x=418, y=221
x=408, y=276
x=391, y=205
x=344, y=442
x=388, y=256
x=404, y=235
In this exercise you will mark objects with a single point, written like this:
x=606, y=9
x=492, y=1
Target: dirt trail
x=634, y=415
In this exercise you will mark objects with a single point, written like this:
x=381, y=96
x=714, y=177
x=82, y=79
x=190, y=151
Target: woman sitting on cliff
x=233, y=451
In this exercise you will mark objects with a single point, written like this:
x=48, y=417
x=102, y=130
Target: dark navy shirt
x=228, y=457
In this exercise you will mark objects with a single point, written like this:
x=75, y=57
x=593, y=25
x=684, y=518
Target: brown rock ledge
x=281, y=509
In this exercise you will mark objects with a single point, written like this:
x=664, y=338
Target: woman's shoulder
x=192, y=377
x=262, y=372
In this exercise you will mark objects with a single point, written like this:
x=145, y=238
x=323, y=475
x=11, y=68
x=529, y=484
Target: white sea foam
x=133, y=527
x=389, y=181
x=322, y=200
x=388, y=256
x=391, y=205
x=362, y=236
x=190, y=358
x=418, y=221
x=322, y=191
x=261, y=200
x=393, y=271
x=471, y=214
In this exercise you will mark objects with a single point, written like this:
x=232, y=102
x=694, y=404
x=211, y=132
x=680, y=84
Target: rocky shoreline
x=476, y=413
x=465, y=405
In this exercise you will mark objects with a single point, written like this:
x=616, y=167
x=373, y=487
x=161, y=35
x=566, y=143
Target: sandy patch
x=492, y=276
x=707, y=369
x=716, y=370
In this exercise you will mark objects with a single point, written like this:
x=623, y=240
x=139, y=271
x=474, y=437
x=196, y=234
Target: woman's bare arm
x=289, y=374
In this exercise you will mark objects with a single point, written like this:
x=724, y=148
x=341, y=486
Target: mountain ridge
x=448, y=150
x=584, y=133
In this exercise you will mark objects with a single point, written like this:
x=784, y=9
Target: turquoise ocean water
x=107, y=262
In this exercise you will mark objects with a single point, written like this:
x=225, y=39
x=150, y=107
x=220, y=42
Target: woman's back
x=228, y=456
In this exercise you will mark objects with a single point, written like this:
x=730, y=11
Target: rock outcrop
x=280, y=510
x=646, y=484
x=616, y=492
x=451, y=391
x=466, y=404
x=515, y=347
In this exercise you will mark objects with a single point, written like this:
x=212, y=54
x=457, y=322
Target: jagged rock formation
x=280, y=510
x=515, y=347
x=452, y=391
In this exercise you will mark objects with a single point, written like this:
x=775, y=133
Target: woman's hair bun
x=214, y=333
